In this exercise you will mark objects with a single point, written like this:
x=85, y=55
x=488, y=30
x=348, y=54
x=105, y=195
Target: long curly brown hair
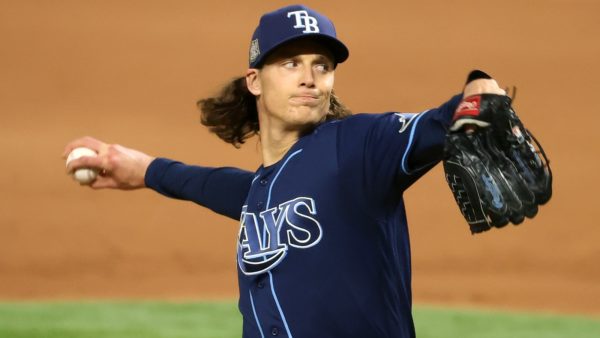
x=232, y=115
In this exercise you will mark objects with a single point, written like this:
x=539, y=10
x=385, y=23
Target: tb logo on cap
x=303, y=20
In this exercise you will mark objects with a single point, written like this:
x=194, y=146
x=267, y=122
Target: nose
x=308, y=78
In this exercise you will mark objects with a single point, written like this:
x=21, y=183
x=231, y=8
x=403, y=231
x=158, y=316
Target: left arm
x=383, y=154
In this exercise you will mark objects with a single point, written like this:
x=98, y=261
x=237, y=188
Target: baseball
x=83, y=175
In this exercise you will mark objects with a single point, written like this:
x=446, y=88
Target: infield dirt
x=130, y=73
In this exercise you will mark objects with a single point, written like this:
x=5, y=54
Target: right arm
x=222, y=190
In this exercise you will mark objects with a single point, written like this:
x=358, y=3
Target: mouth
x=307, y=99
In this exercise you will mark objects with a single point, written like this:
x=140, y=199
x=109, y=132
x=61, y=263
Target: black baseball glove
x=495, y=168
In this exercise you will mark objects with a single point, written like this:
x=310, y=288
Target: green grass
x=433, y=322
x=119, y=320
x=221, y=320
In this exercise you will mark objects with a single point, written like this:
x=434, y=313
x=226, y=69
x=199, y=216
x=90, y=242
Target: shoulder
x=365, y=123
x=360, y=121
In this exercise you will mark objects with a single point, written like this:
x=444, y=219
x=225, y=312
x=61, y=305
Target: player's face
x=294, y=86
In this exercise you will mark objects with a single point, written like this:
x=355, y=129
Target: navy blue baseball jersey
x=323, y=246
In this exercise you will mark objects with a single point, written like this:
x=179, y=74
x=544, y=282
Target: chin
x=309, y=115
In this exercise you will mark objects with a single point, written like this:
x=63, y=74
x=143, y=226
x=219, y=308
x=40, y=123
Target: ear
x=253, y=81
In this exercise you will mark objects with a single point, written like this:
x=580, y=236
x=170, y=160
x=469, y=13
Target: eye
x=290, y=64
x=323, y=67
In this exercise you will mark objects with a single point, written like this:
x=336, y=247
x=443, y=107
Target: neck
x=276, y=137
x=275, y=143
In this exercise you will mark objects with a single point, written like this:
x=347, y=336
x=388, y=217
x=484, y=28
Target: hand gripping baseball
x=118, y=167
x=496, y=170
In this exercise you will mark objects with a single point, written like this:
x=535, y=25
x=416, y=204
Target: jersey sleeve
x=425, y=146
x=222, y=190
x=386, y=153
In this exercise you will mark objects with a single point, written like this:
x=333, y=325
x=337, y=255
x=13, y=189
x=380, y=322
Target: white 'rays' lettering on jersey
x=301, y=230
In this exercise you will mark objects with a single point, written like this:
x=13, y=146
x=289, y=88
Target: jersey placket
x=263, y=300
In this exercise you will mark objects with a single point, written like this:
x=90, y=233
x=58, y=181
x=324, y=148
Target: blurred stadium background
x=130, y=72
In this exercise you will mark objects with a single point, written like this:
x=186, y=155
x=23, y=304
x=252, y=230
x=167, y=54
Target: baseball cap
x=291, y=23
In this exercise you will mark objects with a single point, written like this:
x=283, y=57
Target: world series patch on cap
x=291, y=23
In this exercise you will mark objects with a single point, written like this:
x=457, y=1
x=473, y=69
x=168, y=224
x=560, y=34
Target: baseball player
x=323, y=247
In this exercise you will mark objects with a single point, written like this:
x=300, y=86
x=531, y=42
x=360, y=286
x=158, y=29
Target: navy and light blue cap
x=291, y=23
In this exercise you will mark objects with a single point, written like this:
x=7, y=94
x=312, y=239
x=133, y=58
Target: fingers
x=483, y=86
x=92, y=162
x=88, y=142
x=104, y=178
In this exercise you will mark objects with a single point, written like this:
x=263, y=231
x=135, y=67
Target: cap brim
x=338, y=49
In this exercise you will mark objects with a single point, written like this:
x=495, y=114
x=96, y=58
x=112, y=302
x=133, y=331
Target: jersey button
x=274, y=331
x=263, y=182
x=260, y=285
x=260, y=205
